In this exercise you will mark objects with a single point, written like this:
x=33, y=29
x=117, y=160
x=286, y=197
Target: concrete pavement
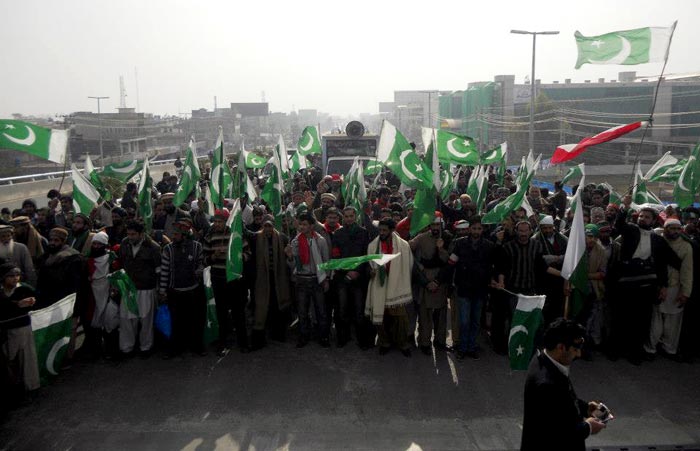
x=327, y=399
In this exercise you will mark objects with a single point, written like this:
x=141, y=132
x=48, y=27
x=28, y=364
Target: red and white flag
x=566, y=152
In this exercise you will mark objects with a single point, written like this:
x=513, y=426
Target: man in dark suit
x=554, y=417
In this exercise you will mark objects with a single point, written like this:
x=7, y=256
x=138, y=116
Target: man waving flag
x=190, y=176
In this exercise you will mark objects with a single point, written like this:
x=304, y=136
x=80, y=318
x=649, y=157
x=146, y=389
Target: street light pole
x=99, y=125
x=532, y=81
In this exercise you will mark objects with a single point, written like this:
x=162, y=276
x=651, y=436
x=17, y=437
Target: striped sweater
x=181, y=265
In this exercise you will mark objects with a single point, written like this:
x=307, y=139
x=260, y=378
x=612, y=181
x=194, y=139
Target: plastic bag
x=111, y=316
x=163, y=322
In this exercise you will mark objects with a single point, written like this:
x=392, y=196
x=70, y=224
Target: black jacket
x=142, y=267
x=350, y=242
x=474, y=267
x=553, y=417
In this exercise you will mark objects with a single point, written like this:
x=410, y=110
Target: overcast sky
x=336, y=56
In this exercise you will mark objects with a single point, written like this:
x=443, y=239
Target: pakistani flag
x=273, y=189
x=575, y=266
x=477, y=188
x=253, y=161
x=614, y=197
x=297, y=162
x=574, y=173
x=145, y=204
x=52, y=327
x=514, y=201
x=234, y=255
x=457, y=149
x=424, y=206
x=628, y=47
x=190, y=175
x=309, y=141
x=688, y=183
x=281, y=152
x=446, y=182
x=221, y=184
x=127, y=290
x=85, y=196
x=527, y=319
x=245, y=183
x=640, y=193
x=373, y=167
x=401, y=158
x=124, y=171
x=667, y=169
x=42, y=142
x=211, y=330
x=350, y=263
x=496, y=155
x=94, y=177
x=353, y=188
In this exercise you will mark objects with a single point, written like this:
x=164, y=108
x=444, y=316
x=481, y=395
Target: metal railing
x=57, y=174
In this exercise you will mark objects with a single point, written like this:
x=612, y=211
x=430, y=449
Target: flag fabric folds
x=234, y=256
x=567, y=152
x=85, y=196
x=190, y=175
x=527, y=319
x=94, y=177
x=401, y=158
x=575, y=266
x=350, y=263
x=309, y=141
x=221, y=184
x=627, y=47
x=46, y=143
x=123, y=171
x=687, y=185
x=574, y=173
x=145, y=203
x=52, y=327
x=211, y=329
x=127, y=290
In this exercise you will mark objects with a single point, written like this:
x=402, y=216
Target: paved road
x=328, y=399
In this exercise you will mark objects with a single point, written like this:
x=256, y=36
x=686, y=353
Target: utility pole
x=532, y=81
x=99, y=125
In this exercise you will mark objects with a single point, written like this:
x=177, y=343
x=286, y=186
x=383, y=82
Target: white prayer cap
x=547, y=220
x=101, y=238
x=672, y=221
x=461, y=225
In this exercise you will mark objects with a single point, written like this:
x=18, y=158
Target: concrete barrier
x=12, y=196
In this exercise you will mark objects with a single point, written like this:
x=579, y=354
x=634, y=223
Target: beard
x=52, y=249
x=644, y=226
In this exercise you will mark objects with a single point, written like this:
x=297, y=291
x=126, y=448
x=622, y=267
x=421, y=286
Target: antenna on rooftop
x=122, y=93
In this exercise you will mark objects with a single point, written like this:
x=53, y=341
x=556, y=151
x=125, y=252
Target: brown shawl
x=262, y=280
x=36, y=249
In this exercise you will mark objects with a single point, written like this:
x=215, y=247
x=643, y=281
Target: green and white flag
x=446, y=183
x=495, y=155
x=373, y=167
x=85, y=196
x=401, y=158
x=221, y=184
x=297, y=163
x=123, y=171
x=424, y=206
x=353, y=189
x=283, y=155
x=614, y=197
x=666, y=169
x=309, y=141
x=190, y=175
x=477, y=188
x=211, y=329
x=527, y=319
x=246, y=185
x=52, y=327
x=273, y=189
x=686, y=186
x=127, y=290
x=575, y=266
x=526, y=172
x=234, y=255
x=457, y=149
x=42, y=142
x=350, y=263
x=253, y=161
x=92, y=175
x=574, y=173
x=628, y=47
x=640, y=193
x=145, y=202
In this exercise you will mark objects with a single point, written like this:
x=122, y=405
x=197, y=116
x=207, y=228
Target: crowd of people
x=457, y=274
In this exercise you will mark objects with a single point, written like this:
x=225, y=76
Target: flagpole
x=653, y=107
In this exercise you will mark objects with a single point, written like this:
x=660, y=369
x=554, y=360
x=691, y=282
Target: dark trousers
x=309, y=294
x=394, y=328
x=231, y=299
x=351, y=312
x=631, y=316
x=188, y=314
x=502, y=307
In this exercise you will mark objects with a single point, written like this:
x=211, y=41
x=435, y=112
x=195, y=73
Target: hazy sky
x=336, y=56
